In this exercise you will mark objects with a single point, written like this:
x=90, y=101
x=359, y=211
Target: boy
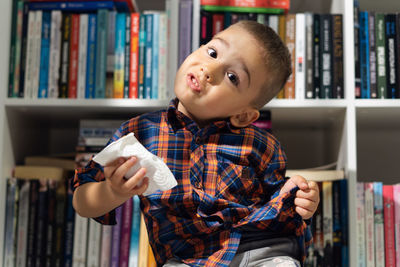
x=232, y=203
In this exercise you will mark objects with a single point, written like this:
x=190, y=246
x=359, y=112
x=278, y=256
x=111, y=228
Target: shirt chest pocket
x=236, y=183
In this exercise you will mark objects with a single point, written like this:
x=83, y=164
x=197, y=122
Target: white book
x=80, y=241
x=273, y=22
x=172, y=9
x=195, y=25
x=105, y=255
x=369, y=224
x=29, y=54
x=300, y=63
x=327, y=213
x=10, y=231
x=22, y=229
x=37, y=40
x=54, y=55
x=82, y=54
x=309, y=83
x=379, y=227
x=93, y=248
x=360, y=220
x=162, y=57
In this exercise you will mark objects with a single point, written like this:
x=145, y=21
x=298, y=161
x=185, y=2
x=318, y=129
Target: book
x=290, y=39
x=369, y=223
x=32, y=223
x=300, y=61
x=120, y=31
x=195, y=25
x=336, y=225
x=17, y=68
x=172, y=10
x=69, y=228
x=391, y=64
x=134, y=249
x=110, y=58
x=148, y=54
x=344, y=218
x=79, y=254
x=326, y=56
x=162, y=58
x=93, y=248
x=105, y=253
x=360, y=221
x=126, y=227
x=388, y=213
x=380, y=38
x=38, y=172
x=309, y=56
x=327, y=215
x=54, y=54
x=357, y=74
x=41, y=226
x=372, y=55
x=337, y=57
x=57, y=254
x=378, y=222
x=142, y=57
x=73, y=56
x=91, y=57
x=101, y=53
x=134, y=56
x=24, y=50
x=143, y=244
x=12, y=55
x=82, y=55
x=23, y=218
x=364, y=55
x=251, y=4
x=116, y=238
x=155, y=56
x=70, y=6
x=66, y=164
x=127, y=57
x=65, y=51
x=185, y=29
x=44, y=56
x=317, y=175
x=316, y=55
x=10, y=222
x=396, y=198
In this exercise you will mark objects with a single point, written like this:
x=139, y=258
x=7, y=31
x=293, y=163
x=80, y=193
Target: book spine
x=73, y=57
x=309, y=94
x=71, y=6
x=364, y=55
x=18, y=45
x=388, y=213
x=32, y=222
x=290, y=43
x=378, y=222
x=10, y=231
x=380, y=38
x=273, y=22
x=111, y=46
x=327, y=213
x=101, y=53
x=357, y=69
x=69, y=229
x=119, y=55
x=396, y=198
x=24, y=45
x=344, y=217
x=65, y=51
x=126, y=227
x=172, y=9
x=29, y=54
x=12, y=55
x=155, y=56
x=127, y=57
x=336, y=225
x=60, y=223
x=390, y=21
x=372, y=55
x=80, y=241
x=51, y=222
x=82, y=54
x=44, y=56
x=369, y=224
x=185, y=29
x=316, y=55
x=55, y=52
x=318, y=235
x=397, y=52
x=148, y=55
x=162, y=58
x=326, y=56
x=23, y=218
x=42, y=214
x=300, y=64
x=105, y=245
x=195, y=25
x=93, y=248
x=135, y=233
x=360, y=221
x=37, y=40
x=134, y=56
x=337, y=49
x=142, y=58
x=91, y=57
x=282, y=35
x=206, y=28
x=116, y=238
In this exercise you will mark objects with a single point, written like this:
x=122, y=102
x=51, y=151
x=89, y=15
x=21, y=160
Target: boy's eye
x=212, y=52
x=233, y=78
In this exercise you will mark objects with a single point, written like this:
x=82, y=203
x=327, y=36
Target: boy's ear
x=244, y=118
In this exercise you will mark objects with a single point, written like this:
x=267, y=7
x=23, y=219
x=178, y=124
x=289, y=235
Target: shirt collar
x=178, y=120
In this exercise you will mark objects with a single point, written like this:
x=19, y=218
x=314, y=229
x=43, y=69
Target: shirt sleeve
x=94, y=172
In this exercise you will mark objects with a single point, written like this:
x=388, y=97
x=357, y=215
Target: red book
x=218, y=23
x=134, y=61
x=388, y=214
x=73, y=56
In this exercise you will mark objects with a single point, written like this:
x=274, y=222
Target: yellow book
x=39, y=172
x=143, y=244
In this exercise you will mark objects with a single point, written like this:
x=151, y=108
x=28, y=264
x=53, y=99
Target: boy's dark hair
x=277, y=60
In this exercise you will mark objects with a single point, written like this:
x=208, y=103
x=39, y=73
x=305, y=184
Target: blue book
x=142, y=58
x=119, y=55
x=44, y=56
x=149, y=56
x=364, y=55
x=154, y=80
x=91, y=57
x=344, y=222
x=135, y=233
x=101, y=53
x=127, y=55
x=71, y=6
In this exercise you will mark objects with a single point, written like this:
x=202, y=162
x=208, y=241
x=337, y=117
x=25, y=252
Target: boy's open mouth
x=193, y=82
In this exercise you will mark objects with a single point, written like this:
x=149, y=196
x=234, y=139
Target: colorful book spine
x=65, y=51
x=378, y=222
x=127, y=57
x=396, y=198
x=135, y=233
x=360, y=221
x=142, y=51
x=134, y=56
x=388, y=213
x=71, y=6
x=101, y=53
x=119, y=55
x=155, y=55
x=364, y=55
x=34, y=90
x=149, y=56
x=369, y=224
x=126, y=227
x=337, y=57
x=111, y=42
x=372, y=55
x=44, y=56
x=290, y=43
x=326, y=56
x=309, y=94
x=195, y=25
x=82, y=54
x=390, y=21
x=55, y=52
x=91, y=57
x=380, y=38
x=162, y=58
x=300, y=63
x=73, y=57
x=116, y=238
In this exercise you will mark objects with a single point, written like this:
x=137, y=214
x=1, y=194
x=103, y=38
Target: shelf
x=378, y=114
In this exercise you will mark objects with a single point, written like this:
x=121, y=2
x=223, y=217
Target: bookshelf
x=361, y=135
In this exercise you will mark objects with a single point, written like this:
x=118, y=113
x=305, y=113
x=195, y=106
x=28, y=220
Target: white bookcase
x=363, y=136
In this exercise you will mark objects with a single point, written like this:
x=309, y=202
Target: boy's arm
x=94, y=199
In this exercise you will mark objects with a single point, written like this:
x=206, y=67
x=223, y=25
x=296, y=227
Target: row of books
x=315, y=42
x=106, y=54
x=377, y=54
x=378, y=224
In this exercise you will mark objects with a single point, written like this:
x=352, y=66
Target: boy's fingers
x=112, y=166
x=120, y=172
x=305, y=214
x=138, y=190
x=135, y=180
x=309, y=194
x=300, y=181
x=305, y=204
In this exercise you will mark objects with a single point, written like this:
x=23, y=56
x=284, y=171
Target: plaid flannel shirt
x=227, y=178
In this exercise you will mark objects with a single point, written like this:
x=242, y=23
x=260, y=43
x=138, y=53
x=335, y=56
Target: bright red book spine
x=134, y=61
x=73, y=57
x=388, y=214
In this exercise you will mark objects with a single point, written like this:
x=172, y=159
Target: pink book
x=388, y=213
x=396, y=196
x=126, y=225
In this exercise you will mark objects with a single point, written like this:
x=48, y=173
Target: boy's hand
x=307, y=197
x=121, y=187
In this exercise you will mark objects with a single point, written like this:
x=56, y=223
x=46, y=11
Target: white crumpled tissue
x=160, y=176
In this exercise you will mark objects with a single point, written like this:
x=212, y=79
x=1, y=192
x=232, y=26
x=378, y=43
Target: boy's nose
x=210, y=73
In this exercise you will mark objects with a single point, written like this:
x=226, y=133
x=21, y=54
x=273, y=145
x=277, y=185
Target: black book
x=391, y=64
x=64, y=57
x=326, y=56
x=316, y=54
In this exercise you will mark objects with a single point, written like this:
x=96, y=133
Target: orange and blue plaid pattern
x=227, y=178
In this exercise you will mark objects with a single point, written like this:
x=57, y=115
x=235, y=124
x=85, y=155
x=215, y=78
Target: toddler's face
x=221, y=78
